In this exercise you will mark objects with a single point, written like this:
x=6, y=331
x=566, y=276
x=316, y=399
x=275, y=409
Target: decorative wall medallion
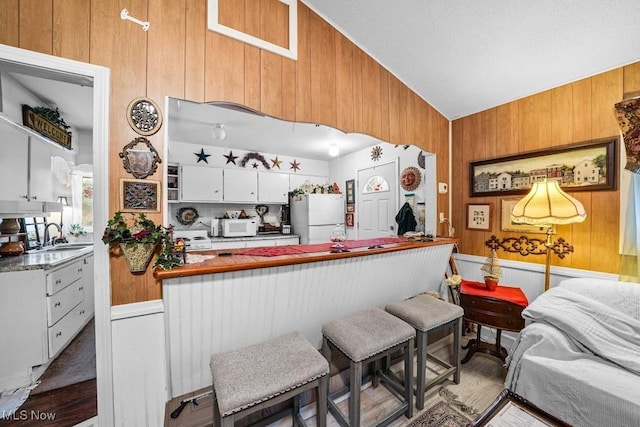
x=421, y=159
x=144, y=116
x=410, y=178
x=376, y=153
x=139, y=158
x=187, y=216
x=139, y=195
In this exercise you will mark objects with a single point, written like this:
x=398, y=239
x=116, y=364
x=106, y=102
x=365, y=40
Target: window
x=34, y=227
x=375, y=184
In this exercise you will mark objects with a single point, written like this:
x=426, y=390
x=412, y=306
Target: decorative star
x=294, y=165
x=276, y=162
x=255, y=165
x=230, y=158
x=202, y=156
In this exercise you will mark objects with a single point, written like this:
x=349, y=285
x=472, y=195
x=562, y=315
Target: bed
x=578, y=358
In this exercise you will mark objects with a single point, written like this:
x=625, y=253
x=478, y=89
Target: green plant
x=143, y=230
x=53, y=116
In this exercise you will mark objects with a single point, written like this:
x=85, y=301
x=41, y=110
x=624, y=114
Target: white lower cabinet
x=41, y=311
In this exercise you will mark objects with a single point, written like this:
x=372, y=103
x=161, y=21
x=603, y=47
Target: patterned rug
x=448, y=412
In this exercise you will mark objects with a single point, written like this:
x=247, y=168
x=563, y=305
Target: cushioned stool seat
x=251, y=378
x=366, y=337
x=426, y=313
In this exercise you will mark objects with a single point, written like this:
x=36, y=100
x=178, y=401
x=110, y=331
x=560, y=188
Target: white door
x=377, y=201
x=240, y=186
x=200, y=184
x=273, y=187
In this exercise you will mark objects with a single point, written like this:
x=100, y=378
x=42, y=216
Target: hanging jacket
x=405, y=219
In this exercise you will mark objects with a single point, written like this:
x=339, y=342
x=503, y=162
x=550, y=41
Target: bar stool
x=426, y=313
x=252, y=378
x=365, y=337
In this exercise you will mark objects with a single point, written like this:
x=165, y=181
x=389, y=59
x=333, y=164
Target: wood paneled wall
x=576, y=112
x=333, y=82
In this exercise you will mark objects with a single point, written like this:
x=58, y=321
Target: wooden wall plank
x=71, y=29
x=534, y=121
x=303, y=66
x=344, y=83
x=323, y=71
x=252, y=56
x=195, y=36
x=271, y=83
x=36, y=25
x=289, y=75
x=371, y=115
x=581, y=104
x=631, y=80
x=561, y=116
x=9, y=23
x=357, y=56
x=396, y=126
x=384, y=104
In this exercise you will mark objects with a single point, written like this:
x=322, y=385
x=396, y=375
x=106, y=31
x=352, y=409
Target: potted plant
x=492, y=271
x=137, y=241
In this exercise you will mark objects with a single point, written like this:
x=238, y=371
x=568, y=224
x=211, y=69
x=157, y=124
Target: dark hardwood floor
x=62, y=407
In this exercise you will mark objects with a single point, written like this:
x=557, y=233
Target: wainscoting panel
x=219, y=312
x=139, y=364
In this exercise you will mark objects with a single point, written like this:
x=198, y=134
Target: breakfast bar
x=234, y=298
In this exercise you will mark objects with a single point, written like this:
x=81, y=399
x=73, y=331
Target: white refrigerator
x=314, y=216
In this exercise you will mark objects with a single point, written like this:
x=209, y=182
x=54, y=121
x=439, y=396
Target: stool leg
x=354, y=399
x=457, y=333
x=408, y=378
x=217, y=421
x=296, y=410
x=421, y=368
x=321, y=403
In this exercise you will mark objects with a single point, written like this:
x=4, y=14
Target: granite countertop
x=42, y=259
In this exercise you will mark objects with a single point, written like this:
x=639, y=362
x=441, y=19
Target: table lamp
x=547, y=205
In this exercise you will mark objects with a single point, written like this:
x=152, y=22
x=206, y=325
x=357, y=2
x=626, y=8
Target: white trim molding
x=292, y=52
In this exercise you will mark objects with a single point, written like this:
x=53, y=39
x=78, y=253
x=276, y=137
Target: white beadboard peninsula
x=230, y=301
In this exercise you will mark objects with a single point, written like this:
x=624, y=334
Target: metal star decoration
x=255, y=165
x=202, y=156
x=294, y=165
x=230, y=158
x=276, y=162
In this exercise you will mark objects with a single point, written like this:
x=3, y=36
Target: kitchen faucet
x=53, y=239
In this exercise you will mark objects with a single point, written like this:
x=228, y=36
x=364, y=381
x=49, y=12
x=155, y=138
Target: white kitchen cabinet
x=200, y=184
x=254, y=243
x=273, y=187
x=26, y=164
x=41, y=311
x=240, y=186
x=287, y=241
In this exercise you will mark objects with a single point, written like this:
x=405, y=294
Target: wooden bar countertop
x=237, y=262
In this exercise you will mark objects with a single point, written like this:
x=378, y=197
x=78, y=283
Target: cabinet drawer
x=63, y=331
x=509, y=323
x=60, y=279
x=490, y=304
x=62, y=302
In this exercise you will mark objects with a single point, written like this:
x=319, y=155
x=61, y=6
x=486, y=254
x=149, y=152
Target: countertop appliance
x=240, y=227
x=314, y=216
x=194, y=240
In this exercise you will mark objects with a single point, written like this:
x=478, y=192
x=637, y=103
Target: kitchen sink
x=67, y=246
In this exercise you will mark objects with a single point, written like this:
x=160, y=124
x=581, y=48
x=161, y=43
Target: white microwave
x=238, y=227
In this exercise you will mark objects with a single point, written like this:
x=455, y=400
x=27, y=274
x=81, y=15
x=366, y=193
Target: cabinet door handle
x=80, y=270
x=59, y=334
x=35, y=197
x=57, y=304
x=81, y=288
x=58, y=281
x=25, y=197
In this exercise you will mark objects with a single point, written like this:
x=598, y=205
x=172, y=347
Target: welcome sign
x=35, y=121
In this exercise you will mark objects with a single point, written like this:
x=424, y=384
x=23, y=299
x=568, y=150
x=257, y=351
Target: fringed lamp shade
x=547, y=204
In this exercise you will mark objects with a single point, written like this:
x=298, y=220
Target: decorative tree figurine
x=492, y=271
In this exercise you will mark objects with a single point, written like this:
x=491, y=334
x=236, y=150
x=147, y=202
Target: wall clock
x=144, y=116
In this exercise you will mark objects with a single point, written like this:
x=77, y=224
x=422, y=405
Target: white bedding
x=579, y=360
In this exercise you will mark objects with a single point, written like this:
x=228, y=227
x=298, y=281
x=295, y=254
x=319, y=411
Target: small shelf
x=173, y=183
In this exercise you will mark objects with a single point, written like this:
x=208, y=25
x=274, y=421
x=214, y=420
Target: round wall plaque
x=410, y=178
x=144, y=116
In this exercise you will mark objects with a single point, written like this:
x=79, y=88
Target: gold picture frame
x=506, y=206
x=139, y=195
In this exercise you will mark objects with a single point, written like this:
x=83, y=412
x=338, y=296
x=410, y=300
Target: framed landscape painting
x=589, y=166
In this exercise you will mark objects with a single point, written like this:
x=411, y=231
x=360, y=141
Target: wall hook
x=124, y=14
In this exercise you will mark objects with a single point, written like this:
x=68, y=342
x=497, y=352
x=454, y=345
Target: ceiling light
x=218, y=132
x=334, y=151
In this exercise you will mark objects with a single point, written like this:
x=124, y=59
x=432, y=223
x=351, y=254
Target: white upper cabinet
x=240, y=185
x=200, y=184
x=273, y=187
x=25, y=164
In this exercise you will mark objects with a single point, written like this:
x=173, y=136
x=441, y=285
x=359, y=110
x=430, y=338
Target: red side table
x=500, y=309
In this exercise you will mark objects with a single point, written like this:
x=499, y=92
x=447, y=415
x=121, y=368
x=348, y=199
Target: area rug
x=448, y=412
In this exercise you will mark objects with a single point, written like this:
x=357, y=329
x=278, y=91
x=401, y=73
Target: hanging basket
x=138, y=255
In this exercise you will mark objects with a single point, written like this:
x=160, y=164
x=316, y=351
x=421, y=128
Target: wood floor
x=481, y=381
